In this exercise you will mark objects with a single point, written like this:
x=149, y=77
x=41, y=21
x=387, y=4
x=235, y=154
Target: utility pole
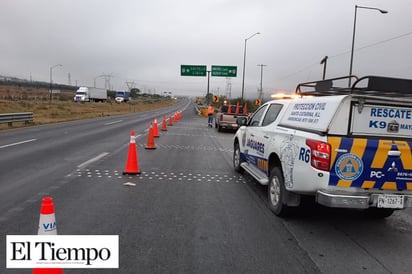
x=130, y=85
x=208, y=85
x=260, y=95
x=107, y=80
x=228, y=88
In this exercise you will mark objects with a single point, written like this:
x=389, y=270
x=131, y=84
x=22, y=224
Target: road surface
x=188, y=211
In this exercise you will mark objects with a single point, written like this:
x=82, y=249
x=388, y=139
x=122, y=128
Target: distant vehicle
x=89, y=94
x=122, y=96
x=226, y=116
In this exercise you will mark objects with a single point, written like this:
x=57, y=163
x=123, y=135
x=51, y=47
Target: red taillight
x=319, y=154
x=221, y=117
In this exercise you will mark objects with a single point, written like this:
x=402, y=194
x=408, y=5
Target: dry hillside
x=14, y=99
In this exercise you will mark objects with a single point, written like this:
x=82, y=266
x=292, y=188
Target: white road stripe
x=98, y=157
x=18, y=143
x=114, y=122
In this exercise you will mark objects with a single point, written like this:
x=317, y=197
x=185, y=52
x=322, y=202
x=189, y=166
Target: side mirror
x=241, y=121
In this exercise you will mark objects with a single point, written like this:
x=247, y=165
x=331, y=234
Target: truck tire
x=379, y=213
x=237, y=160
x=277, y=193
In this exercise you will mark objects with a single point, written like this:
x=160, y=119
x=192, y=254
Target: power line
x=387, y=40
x=347, y=52
x=375, y=44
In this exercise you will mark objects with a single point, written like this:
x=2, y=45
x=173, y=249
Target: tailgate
x=371, y=163
x=378, y=120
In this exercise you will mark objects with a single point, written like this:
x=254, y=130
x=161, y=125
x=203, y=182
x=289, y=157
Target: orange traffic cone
x=155, y=129
x=175, y=117
x=229, y=109
x=47, y=226
x=132, y=166
x=150, y=139
x=245, y=109
x=170, y=120
x=164, y=128
x=47, y=223
x=237, y=108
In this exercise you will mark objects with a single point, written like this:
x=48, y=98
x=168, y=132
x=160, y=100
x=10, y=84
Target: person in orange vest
x=210, y=112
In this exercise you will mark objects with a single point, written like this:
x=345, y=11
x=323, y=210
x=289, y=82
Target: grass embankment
x=45, y=112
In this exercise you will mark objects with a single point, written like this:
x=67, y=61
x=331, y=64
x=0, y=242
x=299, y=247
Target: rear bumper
x=228, y=125
x=353, y=200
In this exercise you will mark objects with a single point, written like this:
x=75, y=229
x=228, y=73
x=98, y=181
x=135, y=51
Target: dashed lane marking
x=112, y=123
x=192, y=147
x=183, y=176
x=98, y=157
x=196, y=135
x=18, y=143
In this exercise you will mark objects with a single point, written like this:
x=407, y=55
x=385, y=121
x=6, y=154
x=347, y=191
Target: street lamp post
x=353, y=36
x=244, y=63
x=51, y=79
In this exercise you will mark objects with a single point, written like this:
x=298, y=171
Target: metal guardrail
x=10, y=118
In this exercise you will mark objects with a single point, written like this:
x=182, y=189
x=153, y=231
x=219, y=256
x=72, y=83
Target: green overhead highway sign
x=224, y=71
x=192, y=70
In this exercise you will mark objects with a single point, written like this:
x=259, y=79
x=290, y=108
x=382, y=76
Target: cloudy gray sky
x=145, y=42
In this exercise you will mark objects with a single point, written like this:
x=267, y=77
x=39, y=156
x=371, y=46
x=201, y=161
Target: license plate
x=390, y=201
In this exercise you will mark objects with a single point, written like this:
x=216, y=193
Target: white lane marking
x=18, y=143
x=98, y=157
x=114, y=122
x=129, y=184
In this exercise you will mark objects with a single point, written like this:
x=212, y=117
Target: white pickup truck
x=226, y=115
x=346, y=147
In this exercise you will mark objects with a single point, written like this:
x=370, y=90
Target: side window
x=272, y=114
x=255, y=121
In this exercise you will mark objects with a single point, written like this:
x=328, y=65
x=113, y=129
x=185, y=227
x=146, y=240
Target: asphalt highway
x=187, y=211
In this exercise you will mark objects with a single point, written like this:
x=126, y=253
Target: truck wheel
x=277, y=192
x=237, y=160
x=379, y=213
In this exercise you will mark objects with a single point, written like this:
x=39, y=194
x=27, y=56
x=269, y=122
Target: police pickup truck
x=346, y=147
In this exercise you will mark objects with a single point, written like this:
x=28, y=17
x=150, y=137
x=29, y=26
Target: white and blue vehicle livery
x=346, y=147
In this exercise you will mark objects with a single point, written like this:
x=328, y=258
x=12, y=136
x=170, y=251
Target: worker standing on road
x=210, y=112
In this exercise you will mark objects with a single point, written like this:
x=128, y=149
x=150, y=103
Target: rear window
x=312, y=113
x=225, y=108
